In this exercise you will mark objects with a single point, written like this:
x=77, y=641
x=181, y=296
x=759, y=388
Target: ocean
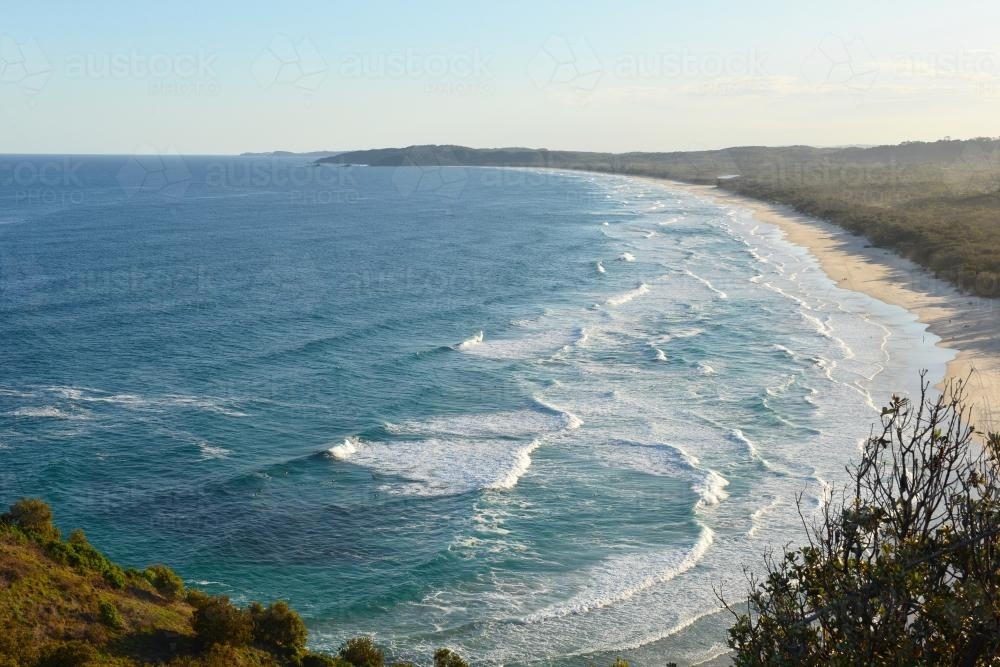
x=535, y=416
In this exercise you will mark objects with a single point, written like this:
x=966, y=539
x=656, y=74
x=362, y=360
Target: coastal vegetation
x=937, y=203
x=65, y=604
x=904, y=569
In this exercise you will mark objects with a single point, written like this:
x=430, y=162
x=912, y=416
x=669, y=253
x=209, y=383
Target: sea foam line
x=624, y=298
x=47, y=412
x=626, y=577
x=719, y=293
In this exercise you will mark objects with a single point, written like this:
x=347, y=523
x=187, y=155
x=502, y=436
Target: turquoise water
x=529, y=415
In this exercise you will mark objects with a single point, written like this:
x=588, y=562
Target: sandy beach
x=966, y=324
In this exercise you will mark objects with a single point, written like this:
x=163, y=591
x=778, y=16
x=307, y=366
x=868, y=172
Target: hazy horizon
x=209, y=80
x=307, y=151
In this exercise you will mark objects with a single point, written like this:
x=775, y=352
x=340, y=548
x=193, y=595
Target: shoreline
x=966, y=324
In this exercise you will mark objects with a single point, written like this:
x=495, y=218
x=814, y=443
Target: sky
x=225, y=77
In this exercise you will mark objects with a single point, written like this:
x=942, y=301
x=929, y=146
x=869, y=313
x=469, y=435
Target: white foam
x=756, y=519
x=623, y=577
x=711, y=488
x=16, y=392
x=441, y=466
x=706, y=369
x=135, y=402
x=471, y=342
x=521, y=465
x=343, y=450
x=781, y=387
x=704, y=281
x=737, y=436
x=542, y=343
x=670, y=460
x=569, y=420
x=212, y=452
x=72, y=393
x=626, y=257
x=622, y=299
x=685, y=333
x=47, y=412
x=791, y=354
x=510, y=424
x=450, y=455
x=600, y=266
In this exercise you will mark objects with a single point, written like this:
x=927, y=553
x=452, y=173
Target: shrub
x=223, y=655
x=32, y=515
x=905, y=569
x=362, y=652
x=197, y=599
x=278, y=627
x=77, y=552
x=444, y=657
x=219, y=622
x=69, y=654
x=320, y=660
x=165, y=581
x=109, y=614
x=115, y=577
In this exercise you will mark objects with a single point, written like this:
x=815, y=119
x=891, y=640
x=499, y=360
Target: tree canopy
x=905, y=568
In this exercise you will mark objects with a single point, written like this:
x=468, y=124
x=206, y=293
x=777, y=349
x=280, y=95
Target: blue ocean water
x=531, y=415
